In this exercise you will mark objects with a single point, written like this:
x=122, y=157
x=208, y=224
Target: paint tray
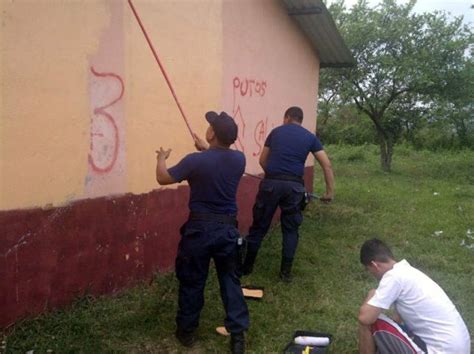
x=292, y=347
x=252, y=292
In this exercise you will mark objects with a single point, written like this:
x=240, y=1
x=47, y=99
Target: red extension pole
x=161, y=66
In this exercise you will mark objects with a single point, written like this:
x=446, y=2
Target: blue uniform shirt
x=289, y=146
x=213, y=176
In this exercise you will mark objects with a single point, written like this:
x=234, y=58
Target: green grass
x=426, y=192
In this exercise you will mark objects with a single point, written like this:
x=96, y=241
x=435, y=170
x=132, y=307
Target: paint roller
x=312, y=341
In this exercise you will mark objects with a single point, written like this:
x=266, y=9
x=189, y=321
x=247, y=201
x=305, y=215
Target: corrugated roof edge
x=314, y=19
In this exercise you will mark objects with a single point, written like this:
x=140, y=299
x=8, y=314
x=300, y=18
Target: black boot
x=186, y=338
x=285, y=270
x=237, y=343
x=247, y=266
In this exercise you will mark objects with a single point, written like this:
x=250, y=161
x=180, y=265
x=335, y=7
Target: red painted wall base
x=96, y=246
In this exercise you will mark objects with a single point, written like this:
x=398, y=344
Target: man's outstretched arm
x=326, y=166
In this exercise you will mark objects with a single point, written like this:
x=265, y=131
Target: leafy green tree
x=346, y=125
x=456, y=105
x=404, y=61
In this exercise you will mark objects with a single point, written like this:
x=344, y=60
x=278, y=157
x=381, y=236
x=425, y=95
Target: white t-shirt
x=425, y=309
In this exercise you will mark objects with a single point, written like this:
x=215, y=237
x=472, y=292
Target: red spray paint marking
x=261, y=89
x=101, y=111
x=160, y=65
x=246, y=87
x=259, y=134
x=122, y=87
x=240, y=121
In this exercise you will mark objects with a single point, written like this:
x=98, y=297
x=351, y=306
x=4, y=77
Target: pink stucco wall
x=268, y=66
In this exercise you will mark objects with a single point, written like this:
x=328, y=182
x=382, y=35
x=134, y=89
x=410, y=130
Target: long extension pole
x=150, y=44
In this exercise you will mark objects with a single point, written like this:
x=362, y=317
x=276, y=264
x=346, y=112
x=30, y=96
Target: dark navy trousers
x=201, y=241
x=287, y=195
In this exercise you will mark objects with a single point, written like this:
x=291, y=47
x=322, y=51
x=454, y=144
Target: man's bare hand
x=162, y=154
x=326, y=198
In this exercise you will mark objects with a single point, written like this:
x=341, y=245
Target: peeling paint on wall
x=107, y=155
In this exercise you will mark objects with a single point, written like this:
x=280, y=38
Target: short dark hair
x=295, y=113
x=375, y=250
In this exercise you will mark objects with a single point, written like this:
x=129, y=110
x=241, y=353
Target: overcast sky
x=455, y=7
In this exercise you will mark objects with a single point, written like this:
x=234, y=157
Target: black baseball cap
x=224, y=126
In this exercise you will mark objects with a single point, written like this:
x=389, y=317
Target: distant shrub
x=356, y=156
x=433, y=138
x=351, y=129
x=351, y=153
x=348, y=126
x=404, y=149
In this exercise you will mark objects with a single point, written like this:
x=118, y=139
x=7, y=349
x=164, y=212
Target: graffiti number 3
x=104, y=143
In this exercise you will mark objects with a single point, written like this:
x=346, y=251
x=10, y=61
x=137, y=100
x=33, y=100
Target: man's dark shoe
x=286, y=278
x=237, y=343
x=186, y=338
x=285, y=270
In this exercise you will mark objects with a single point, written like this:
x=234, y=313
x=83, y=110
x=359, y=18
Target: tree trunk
x=461, y=132
x=386, y=151
x=385, y=139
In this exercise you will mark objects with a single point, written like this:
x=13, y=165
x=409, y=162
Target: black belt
x=286, y=178
x=221, y=218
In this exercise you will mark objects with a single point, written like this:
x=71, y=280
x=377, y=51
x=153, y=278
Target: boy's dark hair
x=295, y=113
x=375, y=250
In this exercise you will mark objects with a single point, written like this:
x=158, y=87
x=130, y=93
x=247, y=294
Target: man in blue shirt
x=211, y=231
x=282, y=159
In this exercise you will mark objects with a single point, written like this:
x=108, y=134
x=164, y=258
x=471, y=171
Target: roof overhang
x=316, y=22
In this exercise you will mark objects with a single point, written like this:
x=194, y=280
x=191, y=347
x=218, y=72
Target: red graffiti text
x=249, y=87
